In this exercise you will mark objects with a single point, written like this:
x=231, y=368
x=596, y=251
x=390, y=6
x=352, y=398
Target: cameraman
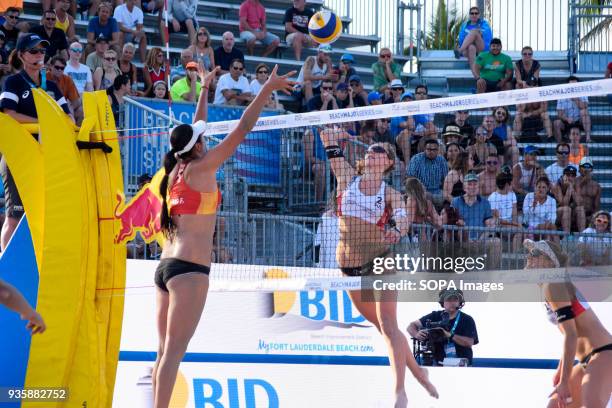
x=452, y=332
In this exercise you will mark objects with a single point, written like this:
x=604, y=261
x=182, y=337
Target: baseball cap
x=191, y=65
x=570, y=170
x=471, y=176
x=452, y=130
x=347, y=58
x=374, y=96
x=396, y=83
x=586, y=162
x=407, y=94
x=342, y=86
x=101, y=38
x=326, y=48
x=354, y=78
x=531, y=149
x=29, y=41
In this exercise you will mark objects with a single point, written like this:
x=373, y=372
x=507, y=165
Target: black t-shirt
x=57, y=40
x=465, y=327
x=298, y=19
x=17, y=95
x=316, y=103
x=10, y=37
x=224, y=59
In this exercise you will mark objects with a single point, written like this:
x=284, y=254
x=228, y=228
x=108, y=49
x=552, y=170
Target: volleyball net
x=475, y=174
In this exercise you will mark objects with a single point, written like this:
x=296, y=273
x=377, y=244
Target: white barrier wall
x=245, y=327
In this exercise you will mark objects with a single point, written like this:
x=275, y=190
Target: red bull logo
x=141, y=214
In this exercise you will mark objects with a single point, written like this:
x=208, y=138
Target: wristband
x=451, y=337
x=333, y=152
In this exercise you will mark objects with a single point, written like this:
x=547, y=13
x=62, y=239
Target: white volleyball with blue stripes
x=325, y=27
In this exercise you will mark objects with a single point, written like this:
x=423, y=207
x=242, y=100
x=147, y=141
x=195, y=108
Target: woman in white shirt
x=261, y=76
x=597, y=250
x=540, y=210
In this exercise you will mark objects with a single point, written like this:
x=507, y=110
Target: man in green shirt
x=187, y=89
x=385, y=71
x=493, y=69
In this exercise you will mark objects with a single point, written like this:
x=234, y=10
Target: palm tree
x=443, y=28
x=597, y=24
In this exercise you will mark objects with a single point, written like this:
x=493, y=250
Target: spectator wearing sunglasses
x=588, y=189
x=526, y=69
x=11, y=27
x=55, y=73
x=385, y=70
x=474, y=37
x=555, y=171
x=80, y=73
x=104, y=77
x=58, y=44
x=233, y=88
x=596, y=250
x=262, y=73
x=487, y=179
x=569, y=204
x=325, y=100
x=17, y=101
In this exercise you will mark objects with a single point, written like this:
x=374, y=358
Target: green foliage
x=443, y=28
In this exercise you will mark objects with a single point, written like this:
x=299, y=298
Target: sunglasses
x=326, y=88
x=77, y=50
x=110, y=58
x=262, y=72
x=587, y=167
x=238, y=68
x=492, y=163
x=354, y=83
x=35, y=51
x=59, y=68
x=202, y=33
x=385, y=56
x=500, y=113
x=528, y=53
x=12, y=17
x=474, y=13
x=535, y=252
x=398, y=89
x=563, y=153
x=50, y=18
x=377, y=149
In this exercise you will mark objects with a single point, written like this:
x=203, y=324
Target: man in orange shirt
x=55, y=73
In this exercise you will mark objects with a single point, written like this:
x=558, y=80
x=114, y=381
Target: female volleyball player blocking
x=190, y=199
x=589, y=383
x=365, y=205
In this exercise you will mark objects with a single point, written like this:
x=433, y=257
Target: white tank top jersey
x=373, y=209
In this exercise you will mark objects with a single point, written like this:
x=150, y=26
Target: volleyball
x=325, y=27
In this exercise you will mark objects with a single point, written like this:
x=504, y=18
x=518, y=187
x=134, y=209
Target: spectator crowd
x=472, y=170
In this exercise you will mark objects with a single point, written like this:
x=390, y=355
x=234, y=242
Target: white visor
x=198, y=129
x=544, y=247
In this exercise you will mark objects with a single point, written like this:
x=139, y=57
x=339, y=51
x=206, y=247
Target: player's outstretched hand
x=281, y=82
